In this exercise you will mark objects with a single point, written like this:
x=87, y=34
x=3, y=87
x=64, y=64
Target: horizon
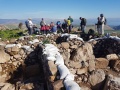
x=53, y=9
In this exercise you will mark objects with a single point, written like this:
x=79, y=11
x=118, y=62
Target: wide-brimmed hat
x=29, y=19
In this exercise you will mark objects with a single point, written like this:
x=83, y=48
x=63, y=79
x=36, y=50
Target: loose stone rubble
x=95, y=64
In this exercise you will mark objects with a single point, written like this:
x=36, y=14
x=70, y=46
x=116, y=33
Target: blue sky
x=59, y=9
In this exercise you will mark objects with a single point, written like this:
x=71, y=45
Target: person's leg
x=46, y=32
x=102, y=29
x=70, y=28
x=28, y=30
x=83, y=28
x=31, y=31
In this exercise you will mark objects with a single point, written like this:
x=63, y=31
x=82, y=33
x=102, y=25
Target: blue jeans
x=30, y=30
x=83, y=27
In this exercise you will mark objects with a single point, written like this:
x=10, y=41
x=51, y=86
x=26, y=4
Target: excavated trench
x=34, y=73
x=30, y=72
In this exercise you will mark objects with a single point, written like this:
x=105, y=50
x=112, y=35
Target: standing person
x=65, y=26
x=29, y=25
x=98, y=25
x=59, y=27
x=102, y=23
x=70, y=24
x=42, y=24
x=83, y=24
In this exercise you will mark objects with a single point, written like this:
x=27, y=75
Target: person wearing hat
x=83, y=24
x=42, y=24
x=29, y=26
x=102, y=21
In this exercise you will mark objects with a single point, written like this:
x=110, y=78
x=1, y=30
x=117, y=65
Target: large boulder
x=112, y=83
x=101, y=63
x=96, y=79
x=4, y=57
x=84, y=53
x=112, y=57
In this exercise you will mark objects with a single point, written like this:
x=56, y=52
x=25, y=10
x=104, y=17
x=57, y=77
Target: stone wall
x=24, y=66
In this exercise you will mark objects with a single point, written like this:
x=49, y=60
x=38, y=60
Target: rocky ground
x=94, y=63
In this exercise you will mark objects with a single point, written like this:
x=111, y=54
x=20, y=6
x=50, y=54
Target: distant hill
x=13, y=23
x=3, y=27
x=93, y=27
x=117, y=27
x=110, y=21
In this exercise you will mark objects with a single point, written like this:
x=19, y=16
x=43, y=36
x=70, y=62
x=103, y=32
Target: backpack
x=27, y=24
x=85, y=21
x=58, y=23
x=105, y=22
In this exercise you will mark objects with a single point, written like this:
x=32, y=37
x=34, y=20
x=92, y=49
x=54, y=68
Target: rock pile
x=95, y=64
x=81, y=61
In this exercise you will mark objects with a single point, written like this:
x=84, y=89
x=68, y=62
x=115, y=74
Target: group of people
x=64, y=27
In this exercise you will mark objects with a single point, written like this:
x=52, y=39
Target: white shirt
x=30, y=23
x=102, y=20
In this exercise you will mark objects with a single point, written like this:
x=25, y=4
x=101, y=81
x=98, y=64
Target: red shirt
x=47, y=27
x=42, y=28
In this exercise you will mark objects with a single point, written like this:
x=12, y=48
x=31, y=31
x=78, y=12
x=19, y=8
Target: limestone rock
x=12, y=40
x=74, y=47
x=91, y=66
x=117, y=66
x=82, y=71
x=28, y=86
x=85, y=88
x=112, y=83
x=4, y=57
x=65, y=45
x=51, y=78
x=7, y=86
x=15, y=49
x=101, y=63
x=75, y=64
x=73, y=71
x=97, y=76
x=84, y=53
x=96, y=79
x=8, y=49
x=4, y=78
x=58, y=85
x=112, y=57
x=52, y=67
x=21, y=52
x=17, y=56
